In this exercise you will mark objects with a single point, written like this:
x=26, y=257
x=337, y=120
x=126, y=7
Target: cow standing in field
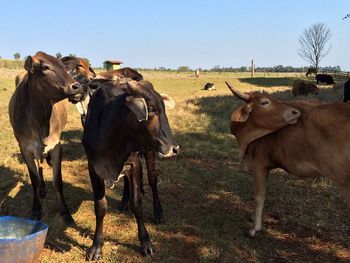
x=346, y=97
x=324, y=78
x=302, y=88
x=311, y=71
x=272, y=134
x=149, y=156
x=118, y=124
x=38, y=116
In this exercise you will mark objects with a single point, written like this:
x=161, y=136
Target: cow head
x=75, y=65
x=147, y=120
x=261, y=115
x=50, y=77
x=80, y=70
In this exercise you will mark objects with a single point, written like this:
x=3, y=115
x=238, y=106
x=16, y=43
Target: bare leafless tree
x=313, y=44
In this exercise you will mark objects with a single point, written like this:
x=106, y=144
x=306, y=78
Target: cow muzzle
x=75, y=88
x=170, y=152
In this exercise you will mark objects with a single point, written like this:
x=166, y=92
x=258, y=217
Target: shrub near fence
x=11, y=64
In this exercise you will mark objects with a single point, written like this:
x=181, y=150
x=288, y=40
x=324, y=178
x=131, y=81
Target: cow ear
x=28, y=64
x=31, y=64
x=241, y=114
x=138, y=106
x=94, y=85
x=92, y=71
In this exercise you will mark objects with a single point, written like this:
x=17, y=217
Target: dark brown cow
x=324, y=79
x=302, y=88
x=152, y=175
x=305, y=138
x=311, y=71
x=118, y=124
x=38, y=116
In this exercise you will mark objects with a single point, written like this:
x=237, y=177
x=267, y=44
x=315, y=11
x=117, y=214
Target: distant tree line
x=277, y=68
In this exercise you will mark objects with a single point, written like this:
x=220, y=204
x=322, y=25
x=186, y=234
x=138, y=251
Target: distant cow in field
x=311, y=71
x=209, y=86
x=347, y=91
x=38, y=116
x=302, y=88
x=324, y=78
x=124, y=117
x=305, y=138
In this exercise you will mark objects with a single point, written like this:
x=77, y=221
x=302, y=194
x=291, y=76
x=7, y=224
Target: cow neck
x=40, y=108
x=246, y=133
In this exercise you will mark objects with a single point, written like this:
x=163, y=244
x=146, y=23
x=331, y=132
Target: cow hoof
x=251, y=232
x=147, y=249
x=93, y=253
x=68, y=219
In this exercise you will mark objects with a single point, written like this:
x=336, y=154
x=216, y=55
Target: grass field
x=207, y=199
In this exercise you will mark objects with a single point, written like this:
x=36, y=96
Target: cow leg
x=152, y=181
x=260, y=194
x=56, y=159
x=42, y=188
x=35, y=180
x=136, y=207
x=98, y=186
x=123, y=206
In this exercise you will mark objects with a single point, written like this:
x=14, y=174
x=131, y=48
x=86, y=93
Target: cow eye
x=45, y=67
x=264, y=102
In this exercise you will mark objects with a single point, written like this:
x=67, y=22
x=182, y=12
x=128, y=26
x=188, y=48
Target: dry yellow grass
x=207, y=199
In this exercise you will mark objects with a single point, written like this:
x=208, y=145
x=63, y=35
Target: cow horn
x=237, y=93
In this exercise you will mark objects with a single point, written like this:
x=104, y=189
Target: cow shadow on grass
x=269, y=82
x=16, y=200
x=216, y=198
x=72, y=146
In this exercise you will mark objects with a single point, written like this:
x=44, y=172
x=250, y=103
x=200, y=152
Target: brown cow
x=311, y=71
x=272, y=134
x=37, y=115
x=302, y=88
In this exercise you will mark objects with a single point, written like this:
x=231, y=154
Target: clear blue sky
x=198, y=33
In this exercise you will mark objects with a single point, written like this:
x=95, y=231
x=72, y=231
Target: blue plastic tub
x=21, y=240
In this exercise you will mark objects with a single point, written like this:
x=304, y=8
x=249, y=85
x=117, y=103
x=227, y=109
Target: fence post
x=252, y=69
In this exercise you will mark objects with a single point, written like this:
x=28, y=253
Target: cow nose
x=176, y=149
x=75, y=86
x=295, y=112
